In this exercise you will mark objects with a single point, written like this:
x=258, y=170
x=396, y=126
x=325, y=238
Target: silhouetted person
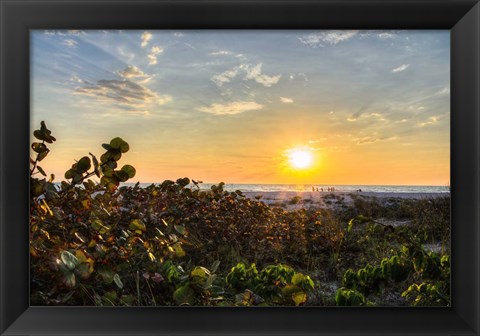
x=321, y=189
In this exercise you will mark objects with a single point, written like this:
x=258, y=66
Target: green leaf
x=98, y=225
x=83, y=270
x=69, y=259
x=107, y=275
x=184, y=295
x=39, y=135
x=42, y=155
x=118, y=143
x=199, y=273
x=112, y=154
x=40, y=169
x=70, y=174
x=107, y=146
x=129, y=170
x=95, y=165
x=179, y=252
x=137, y=224
x=110, y=182
x=83, y=165
x=107, y=171
x=180, y=229
x=295, y=293
x=115, y=155
x=77, y=178
x=118, y=282
x=39, y=147
x=298, y=278
x=120, y=175
x=111, y=164
x=69, y=280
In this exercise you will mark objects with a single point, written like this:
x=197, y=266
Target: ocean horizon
x=308, y=187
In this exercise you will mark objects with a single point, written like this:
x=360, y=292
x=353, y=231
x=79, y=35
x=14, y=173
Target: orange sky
x=372, y=107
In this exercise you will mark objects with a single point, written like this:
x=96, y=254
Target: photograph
x=240, y=168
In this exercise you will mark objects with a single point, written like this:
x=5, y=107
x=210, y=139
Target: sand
x=292, y=200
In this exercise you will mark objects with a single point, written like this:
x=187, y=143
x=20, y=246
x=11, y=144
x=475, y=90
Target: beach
x=293, y=200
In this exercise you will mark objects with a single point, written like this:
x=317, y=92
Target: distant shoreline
x=293, y=200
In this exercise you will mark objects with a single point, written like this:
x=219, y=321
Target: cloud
x=444, y=91
x=359, y=112
x=286, y=100
x=401, y=68
x=431, y=121
x=372, y=139
x=129, y=56
x=251, y=73
x=331, y=37
x=70, y=43
x=220, y=53
x=152, y=57
x=126, y=92
x=132, y=71
x=76, y=79
x=255, y=73
x=226, y=76
x=146, y=37
x=231, y=108
x=385, y=35
x=317, y=141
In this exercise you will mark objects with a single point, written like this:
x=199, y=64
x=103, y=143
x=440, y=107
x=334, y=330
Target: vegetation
x=100, y=243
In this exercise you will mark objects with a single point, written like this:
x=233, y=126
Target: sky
x=238, y=106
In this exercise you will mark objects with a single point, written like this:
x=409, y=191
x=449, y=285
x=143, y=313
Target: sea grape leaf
x=119, y=143
x=98, y=225
x=83, y=165
x=83, y=270
x=295, y=293
x=95, y=165
x=180, y=229
x=118, y=282
x=184, y=295
x=107, y=170
x=70, y=174
x=107, y=275
x=120, y=175
x=40, y=169
x=137, y=224
x=129, y=170
x=69, y=280
x=77, y=178
x=69, y=259
x=179, y=252
x=39, y=135
x=42, y=155
x=39, y=147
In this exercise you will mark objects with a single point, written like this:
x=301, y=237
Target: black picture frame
x=17, y=17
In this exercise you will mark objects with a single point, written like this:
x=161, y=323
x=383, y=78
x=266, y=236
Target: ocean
x=308, y=187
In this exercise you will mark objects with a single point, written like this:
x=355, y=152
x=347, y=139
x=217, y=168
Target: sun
x=300, y=158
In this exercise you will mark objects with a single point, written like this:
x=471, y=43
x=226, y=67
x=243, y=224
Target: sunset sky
x=355, y=107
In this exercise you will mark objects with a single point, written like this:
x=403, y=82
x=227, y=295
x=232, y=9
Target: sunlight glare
x=300, y=158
